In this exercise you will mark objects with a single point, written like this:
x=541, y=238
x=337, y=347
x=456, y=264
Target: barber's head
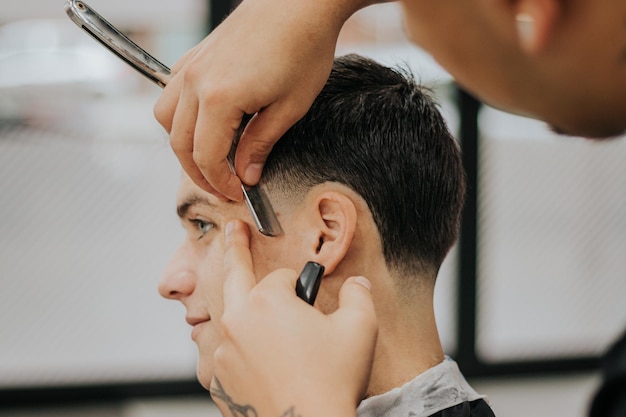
x=368, y=182
x=563, y=61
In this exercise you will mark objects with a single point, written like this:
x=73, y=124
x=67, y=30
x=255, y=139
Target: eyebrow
x=190, y=201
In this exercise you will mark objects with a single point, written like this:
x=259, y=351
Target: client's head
x=369, y=182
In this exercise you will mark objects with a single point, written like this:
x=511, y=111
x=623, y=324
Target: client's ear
x=332, y=218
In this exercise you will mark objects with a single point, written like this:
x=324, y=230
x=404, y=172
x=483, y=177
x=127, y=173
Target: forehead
x=190, y=195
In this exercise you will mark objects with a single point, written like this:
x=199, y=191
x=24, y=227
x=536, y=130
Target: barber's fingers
x=215, y=124
x=262, y=132
x=182, y=139
x=239, y=278
x=187, y=56
x=165, y=107
x=176, y=110
x=356, y=319
x=201, y=120
x=356, y=306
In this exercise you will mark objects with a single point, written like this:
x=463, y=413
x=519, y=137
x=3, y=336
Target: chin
x=590, y=123
x=204, y=372
x=594, y=133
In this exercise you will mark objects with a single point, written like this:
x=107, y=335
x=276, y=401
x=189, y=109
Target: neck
x=408, y=344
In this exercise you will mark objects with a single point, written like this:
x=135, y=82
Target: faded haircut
x=377, y=131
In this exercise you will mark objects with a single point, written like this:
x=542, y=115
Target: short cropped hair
x=377, y=131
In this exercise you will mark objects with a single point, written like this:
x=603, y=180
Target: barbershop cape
x=441, y=391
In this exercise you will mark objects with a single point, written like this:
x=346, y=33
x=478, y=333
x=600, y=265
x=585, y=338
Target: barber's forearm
x=336, y=10
x=330, y=11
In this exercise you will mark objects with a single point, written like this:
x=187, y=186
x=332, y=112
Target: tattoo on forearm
x=237, y=410
x=291, y=412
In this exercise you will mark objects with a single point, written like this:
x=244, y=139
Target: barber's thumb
x=236, y=232
x=355, y=296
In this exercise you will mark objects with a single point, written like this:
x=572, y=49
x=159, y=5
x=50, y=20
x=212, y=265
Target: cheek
x=267, y=256
x=292, y=251
x=210, y=299
x=207, y=344
x=211, y=280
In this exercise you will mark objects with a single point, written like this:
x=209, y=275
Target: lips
x=196, y=320
x=196, y=323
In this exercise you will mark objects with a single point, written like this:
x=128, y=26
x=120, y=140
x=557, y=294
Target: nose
x=179, y=277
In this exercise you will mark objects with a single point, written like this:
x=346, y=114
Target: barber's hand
x=278, y=354
x=270, y=58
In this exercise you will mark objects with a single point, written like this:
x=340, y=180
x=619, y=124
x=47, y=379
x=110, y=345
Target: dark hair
x=374, y=129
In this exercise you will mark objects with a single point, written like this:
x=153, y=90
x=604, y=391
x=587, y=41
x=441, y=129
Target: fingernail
x=364, y=282
x=253, y=173
x=525, y=30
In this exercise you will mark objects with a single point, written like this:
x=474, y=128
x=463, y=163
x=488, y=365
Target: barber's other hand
x=280, y=355
x=270, y=58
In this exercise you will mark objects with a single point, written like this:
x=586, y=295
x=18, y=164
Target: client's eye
x=202, y=226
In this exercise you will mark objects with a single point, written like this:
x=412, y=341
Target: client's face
x=194, y=275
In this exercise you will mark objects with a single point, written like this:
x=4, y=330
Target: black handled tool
x=309, y=281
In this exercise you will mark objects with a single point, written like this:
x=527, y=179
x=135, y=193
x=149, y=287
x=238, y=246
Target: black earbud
x=309, y=282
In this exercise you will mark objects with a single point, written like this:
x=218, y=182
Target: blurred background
x=526, y=303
